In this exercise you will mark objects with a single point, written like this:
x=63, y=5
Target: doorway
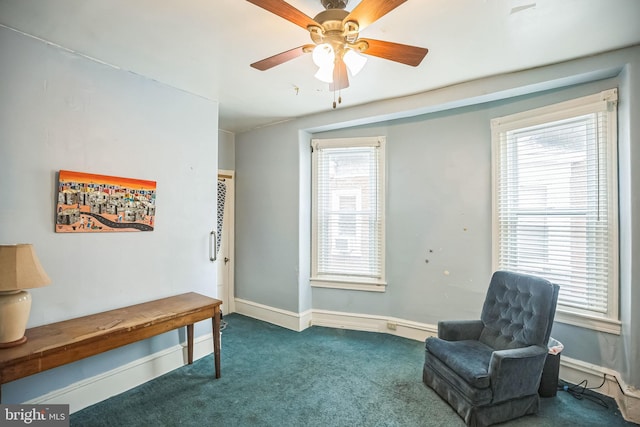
x=225, y=260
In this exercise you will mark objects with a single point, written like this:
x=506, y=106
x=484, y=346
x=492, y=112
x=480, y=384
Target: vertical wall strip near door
x=222, y=193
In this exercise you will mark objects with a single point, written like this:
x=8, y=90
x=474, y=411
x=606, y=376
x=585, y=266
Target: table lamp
x=19, y=270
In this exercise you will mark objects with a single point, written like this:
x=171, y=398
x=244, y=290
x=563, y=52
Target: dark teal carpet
x=327, y=377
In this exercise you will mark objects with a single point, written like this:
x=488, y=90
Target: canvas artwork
x=90, y=203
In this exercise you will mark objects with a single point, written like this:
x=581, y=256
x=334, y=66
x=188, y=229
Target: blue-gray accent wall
x=438, y=201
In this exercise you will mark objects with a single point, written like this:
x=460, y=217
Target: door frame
x=229, y=223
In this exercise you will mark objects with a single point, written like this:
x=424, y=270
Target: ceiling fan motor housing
x=334, y=4
x=333, y=29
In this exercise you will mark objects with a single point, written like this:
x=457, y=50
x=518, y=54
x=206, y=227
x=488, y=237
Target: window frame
x=603, y=102
x=343, y=281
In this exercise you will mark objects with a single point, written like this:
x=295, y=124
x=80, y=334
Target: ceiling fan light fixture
x=323, y=55
x=337, y=48
x=354, y=61
x=325, y=74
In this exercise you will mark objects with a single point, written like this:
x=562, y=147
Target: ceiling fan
x=335, y=34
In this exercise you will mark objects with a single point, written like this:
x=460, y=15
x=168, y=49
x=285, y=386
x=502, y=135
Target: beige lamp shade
x=20, y=268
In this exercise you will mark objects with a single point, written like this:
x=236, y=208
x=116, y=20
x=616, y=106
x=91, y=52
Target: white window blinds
x=348, y=203
x=555, y=199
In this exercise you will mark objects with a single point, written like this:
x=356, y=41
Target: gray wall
x=226, y=150
x=62, y=111
x=438, y=205
x=267, y=177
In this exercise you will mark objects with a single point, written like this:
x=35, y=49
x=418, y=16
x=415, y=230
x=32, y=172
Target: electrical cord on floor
x=581, y=391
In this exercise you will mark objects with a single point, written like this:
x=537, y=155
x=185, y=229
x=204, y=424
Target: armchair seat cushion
x=443, y=379
x=468, y=359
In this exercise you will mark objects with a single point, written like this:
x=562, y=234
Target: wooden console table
x=57, y=344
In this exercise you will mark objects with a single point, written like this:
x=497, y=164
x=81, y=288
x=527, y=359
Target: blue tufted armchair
x=489, y=370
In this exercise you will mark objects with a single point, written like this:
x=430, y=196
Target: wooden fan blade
x=369, y=11
x=405, y=54
x=340, y=78
x=286, y=11
x=280, y=58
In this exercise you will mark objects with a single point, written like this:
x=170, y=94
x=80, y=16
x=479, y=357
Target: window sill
x=601, y=324
x=348, y=284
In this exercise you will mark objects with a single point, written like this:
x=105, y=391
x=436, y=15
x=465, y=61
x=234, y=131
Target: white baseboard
x=333, y=319
x=100, y=387
x=366, y=322
x=287, y=319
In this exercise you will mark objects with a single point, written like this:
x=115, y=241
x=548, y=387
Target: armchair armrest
x=458, y=330
x=516, y=372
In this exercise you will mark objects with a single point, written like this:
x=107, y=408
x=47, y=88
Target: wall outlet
x=392, y=325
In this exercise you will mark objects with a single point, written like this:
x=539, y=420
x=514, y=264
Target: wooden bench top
x=56, y=344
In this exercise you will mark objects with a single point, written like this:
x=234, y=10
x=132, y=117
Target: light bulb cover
x=325, y=74
x=354, y=61
x=323, y=55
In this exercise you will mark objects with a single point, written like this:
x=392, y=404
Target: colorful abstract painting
x=90, y=203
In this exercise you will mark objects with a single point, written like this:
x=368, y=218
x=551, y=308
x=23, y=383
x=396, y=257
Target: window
x=348, y=213
x=555, y=204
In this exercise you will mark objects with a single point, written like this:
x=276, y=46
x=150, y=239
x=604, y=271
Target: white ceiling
x=205, y=46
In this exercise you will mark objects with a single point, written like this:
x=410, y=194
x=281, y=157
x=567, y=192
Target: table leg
x=190, y=344
x=216, y=340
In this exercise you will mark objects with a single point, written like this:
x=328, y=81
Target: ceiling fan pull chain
x=334, y=98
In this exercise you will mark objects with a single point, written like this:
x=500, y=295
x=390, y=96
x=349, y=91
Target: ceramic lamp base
x=13, y=343
x=14, y=315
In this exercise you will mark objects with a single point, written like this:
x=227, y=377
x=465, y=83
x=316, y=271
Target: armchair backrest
x=518, y=311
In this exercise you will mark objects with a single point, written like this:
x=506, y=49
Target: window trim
x=347, y=282
x=605, y=101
